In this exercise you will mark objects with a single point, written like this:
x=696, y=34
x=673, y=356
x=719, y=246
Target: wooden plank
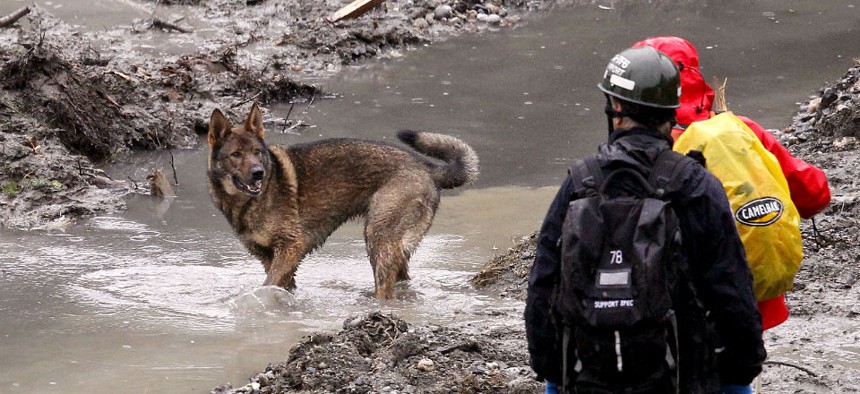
x=354, y=9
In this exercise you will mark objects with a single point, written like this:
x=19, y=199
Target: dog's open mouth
x=252, y=189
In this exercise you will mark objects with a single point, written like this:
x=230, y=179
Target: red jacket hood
x=696, y=96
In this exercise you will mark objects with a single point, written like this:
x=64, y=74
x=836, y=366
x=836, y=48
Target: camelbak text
x=760, y=212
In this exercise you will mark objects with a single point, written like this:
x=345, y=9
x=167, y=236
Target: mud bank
x=73, y=100
x=382, y=354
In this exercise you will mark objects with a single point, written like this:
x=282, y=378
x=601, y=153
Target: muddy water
x=162, y=298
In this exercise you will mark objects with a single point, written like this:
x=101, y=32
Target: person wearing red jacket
x=807, y=184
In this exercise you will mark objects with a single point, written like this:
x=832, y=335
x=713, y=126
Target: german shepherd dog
x=284, y=201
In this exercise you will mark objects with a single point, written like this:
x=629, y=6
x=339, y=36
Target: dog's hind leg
x=397, y=220
x=385, y=256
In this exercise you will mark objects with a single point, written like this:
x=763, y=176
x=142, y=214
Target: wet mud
x=72, y=101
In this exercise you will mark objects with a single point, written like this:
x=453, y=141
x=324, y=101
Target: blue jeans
x=552, y=388
x=732, y=389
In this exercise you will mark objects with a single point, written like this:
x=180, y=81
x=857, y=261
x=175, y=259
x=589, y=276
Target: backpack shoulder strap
x=586, y=176
x=665, y=174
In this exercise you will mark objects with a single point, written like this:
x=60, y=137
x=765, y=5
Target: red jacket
x=807, y=184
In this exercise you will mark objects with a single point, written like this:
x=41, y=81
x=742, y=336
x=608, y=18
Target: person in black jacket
x=642, y=88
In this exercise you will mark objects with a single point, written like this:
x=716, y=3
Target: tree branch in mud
x=331, y=25
x=173, y=166
x=289, y=125
x=292, y=104
x=13, y=17
x=247, y=100
x=160, y=24
x=156, y=23
x=785, y=364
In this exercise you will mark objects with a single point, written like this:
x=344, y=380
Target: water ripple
x=197, y=297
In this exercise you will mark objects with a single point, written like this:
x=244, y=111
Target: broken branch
x=173, y=166
x=785, y=364
x=13, y=17
x=158, y=23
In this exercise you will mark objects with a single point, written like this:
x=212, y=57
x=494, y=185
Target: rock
x=844, y=141
x=813, y=105
x=417, y=12
x=520, y=385
x=353, y=323
x=420, y=23
x=443, y=12
x=493, y=19
x=426, y=365
x=478, y=368
x=828, y=97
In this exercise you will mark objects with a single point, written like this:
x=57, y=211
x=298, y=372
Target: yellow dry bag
x=767, y=220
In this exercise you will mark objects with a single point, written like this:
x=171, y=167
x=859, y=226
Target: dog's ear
x=254, y=122
x=219, y=127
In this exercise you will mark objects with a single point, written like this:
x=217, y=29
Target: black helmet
x=643, y=76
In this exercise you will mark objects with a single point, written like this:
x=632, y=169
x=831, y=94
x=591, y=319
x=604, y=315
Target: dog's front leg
x=282, y=270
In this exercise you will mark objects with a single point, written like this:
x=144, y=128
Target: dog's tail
x=461, y=166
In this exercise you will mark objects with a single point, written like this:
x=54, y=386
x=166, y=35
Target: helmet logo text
x=621, y=61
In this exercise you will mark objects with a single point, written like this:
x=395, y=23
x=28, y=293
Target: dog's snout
x=257, y=172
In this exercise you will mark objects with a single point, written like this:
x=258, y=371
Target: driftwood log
x=13, y=17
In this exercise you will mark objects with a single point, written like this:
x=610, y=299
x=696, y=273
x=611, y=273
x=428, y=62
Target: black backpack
x=622, y=271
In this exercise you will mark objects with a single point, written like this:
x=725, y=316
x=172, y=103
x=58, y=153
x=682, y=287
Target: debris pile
x=381, y=353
